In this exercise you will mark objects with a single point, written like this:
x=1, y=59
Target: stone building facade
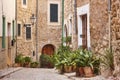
x=70, y=28
x=7, y=33
x=115, y=31
x=93, y=16
x=25, y=28
x=49, y=28
x=50, y=32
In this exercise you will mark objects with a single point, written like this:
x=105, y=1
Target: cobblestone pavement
x=35, y=74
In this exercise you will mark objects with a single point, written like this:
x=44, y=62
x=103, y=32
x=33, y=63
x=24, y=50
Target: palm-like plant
x=108, y=60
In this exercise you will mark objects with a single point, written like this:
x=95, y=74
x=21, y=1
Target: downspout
x=75, y=16
x=109, y=15
x=16, y=23
x=62, y=20
x=37, y=30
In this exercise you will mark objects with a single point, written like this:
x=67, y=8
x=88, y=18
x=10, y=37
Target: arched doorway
x=47, y=50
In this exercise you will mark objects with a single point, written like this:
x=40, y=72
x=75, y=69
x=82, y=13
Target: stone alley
x=35, y=74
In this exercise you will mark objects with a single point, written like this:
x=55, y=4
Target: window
x=3, y=33
x=53, y=12
x=28, y=33
x=13, y=23
x=19, y=30
x=24, y=2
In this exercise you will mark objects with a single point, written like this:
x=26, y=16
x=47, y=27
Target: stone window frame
x=19, y=37
x=48, y=12
x=30, y=40
x=23, y=5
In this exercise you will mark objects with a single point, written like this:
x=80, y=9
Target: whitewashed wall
x=0, y=18
x=8, y=12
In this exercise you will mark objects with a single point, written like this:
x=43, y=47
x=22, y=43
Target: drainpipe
x=16, y=23
x=62, y=20
x=75, y=16
x=109, y=15
x=37, y=30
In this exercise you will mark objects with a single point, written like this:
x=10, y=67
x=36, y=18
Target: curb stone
x=8, y=71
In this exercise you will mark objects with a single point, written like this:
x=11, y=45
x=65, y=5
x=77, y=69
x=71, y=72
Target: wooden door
x=84, y=31
x=48, y=50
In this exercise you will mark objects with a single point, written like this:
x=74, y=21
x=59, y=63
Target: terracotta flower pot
x=74, y=68
x=81, y=71
x=77, y=72
x=68, y=69
x=88, y=71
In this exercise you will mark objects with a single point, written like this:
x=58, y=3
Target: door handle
x=82, y=36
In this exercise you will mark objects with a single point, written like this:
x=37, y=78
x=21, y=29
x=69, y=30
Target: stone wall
x=24, y=46
x=69, y=14
x=48, y=34
x=3, y=63
x=115, y=26
x=99, y=28
x=82, y=2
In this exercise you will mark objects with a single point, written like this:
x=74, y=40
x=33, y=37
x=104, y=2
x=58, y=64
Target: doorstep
x=8, y=71
x=73, y=77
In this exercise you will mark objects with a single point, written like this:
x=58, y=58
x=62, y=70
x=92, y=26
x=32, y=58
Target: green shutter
x=13, y=29
x=3, y=32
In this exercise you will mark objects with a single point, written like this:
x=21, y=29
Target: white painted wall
x=81, y=11
x=8, y=12
x=0, y=18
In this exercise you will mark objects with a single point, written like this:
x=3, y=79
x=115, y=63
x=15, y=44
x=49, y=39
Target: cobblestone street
x=35, y=74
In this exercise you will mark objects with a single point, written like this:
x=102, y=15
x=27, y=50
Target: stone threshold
x=8, y=71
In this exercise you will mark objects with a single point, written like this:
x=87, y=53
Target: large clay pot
x=88, y=71
x=74, y=68
x=81, y=71
x=68, y=69
x=77, y=72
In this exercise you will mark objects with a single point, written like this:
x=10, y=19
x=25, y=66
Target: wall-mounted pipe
x=109, y=21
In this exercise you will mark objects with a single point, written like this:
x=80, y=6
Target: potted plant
x=34, y=64
x=19, y=60
x=67, y=65
x=87, y=58
x=79, y=62
x=27, y=61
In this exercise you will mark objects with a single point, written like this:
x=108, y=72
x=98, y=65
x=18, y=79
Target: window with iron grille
x=28, y=33
x=53, y=12
x=19, y=30
x=24, y=2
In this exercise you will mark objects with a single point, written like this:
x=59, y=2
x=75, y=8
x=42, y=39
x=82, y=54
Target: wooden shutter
x=3, y=32
x=28, y=33
x=53, y=12
x=19, y=30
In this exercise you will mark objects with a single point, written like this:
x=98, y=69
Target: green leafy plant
x=46, y=61
x=27, y=61
x=108, y=60
x=34, y=64
x=19, y=59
